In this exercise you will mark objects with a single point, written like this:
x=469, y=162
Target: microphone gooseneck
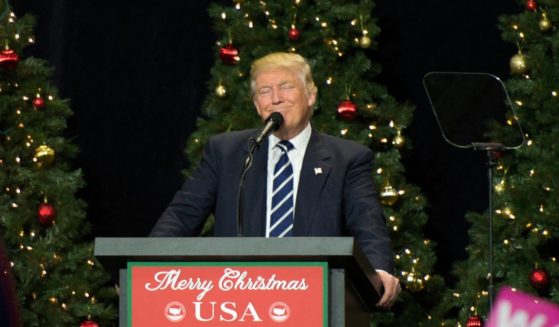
x=271, y=124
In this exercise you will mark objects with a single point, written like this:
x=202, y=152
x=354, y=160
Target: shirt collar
x=299, y=142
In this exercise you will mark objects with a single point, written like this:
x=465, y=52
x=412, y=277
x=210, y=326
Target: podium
x=352, y=285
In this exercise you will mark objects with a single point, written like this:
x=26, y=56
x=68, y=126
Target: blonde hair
x=291, y=61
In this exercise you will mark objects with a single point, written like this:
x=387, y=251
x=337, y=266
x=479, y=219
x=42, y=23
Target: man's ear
x=311, y=99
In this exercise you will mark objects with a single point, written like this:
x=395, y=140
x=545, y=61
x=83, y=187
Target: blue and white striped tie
x=281, y=222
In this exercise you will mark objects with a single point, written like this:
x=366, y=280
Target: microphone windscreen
x=276, y=118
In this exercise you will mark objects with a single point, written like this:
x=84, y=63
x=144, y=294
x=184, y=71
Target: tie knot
x=285, y=146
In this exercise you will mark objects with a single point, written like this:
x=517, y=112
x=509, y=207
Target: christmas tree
x=59, y=282
x=525, y=201
x=338, y=38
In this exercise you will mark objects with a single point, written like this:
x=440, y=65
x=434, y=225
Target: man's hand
x=392, y=288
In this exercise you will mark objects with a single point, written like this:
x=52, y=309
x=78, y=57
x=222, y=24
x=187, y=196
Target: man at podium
x=300, y=183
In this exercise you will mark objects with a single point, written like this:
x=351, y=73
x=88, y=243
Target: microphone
x=273, y=123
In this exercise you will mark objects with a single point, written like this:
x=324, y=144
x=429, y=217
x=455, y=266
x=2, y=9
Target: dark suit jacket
x=339, y=201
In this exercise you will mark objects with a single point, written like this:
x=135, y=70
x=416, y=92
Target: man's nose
x=276, y=96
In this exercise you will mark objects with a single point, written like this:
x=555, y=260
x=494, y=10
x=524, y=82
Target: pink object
x=516, y=309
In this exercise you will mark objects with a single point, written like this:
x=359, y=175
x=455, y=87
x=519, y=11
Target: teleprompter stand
x=474, y=111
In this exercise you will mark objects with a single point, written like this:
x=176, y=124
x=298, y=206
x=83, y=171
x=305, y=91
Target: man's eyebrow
x=281, y=83
x=286, y=82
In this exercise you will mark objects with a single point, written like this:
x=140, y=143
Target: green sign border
x=322, y=264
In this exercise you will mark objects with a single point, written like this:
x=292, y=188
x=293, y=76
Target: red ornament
x=531, y=5
x=46, y=213
x=539, y=278
x=474, y=321
x=89, y=323
x=8, y=59
x=497, y=154
x=39, y=103
x=347, y=110
x=229, y=54
x=293, y=34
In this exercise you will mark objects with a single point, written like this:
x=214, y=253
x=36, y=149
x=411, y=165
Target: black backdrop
x=136, y=74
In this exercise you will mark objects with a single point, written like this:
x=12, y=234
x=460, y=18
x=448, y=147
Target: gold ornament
x=365, y=42
x=415, y=285
x=500, y=186
x=220, y=91
x=413, y=281
x=44, y=155
x=388, y=195
x=398, y=140
x=518, y=64
x=545, y=23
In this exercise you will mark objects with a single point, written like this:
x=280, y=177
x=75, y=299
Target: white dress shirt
x=296, y=156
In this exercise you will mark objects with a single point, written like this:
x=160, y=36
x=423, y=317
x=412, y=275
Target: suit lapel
x=255, y=192
x=314, y=173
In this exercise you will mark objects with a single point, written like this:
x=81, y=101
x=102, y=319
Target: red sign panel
x=227, y=294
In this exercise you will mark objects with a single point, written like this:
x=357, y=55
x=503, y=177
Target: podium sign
x=228, y=294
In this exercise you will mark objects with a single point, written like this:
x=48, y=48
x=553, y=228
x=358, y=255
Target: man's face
x=283, y=91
